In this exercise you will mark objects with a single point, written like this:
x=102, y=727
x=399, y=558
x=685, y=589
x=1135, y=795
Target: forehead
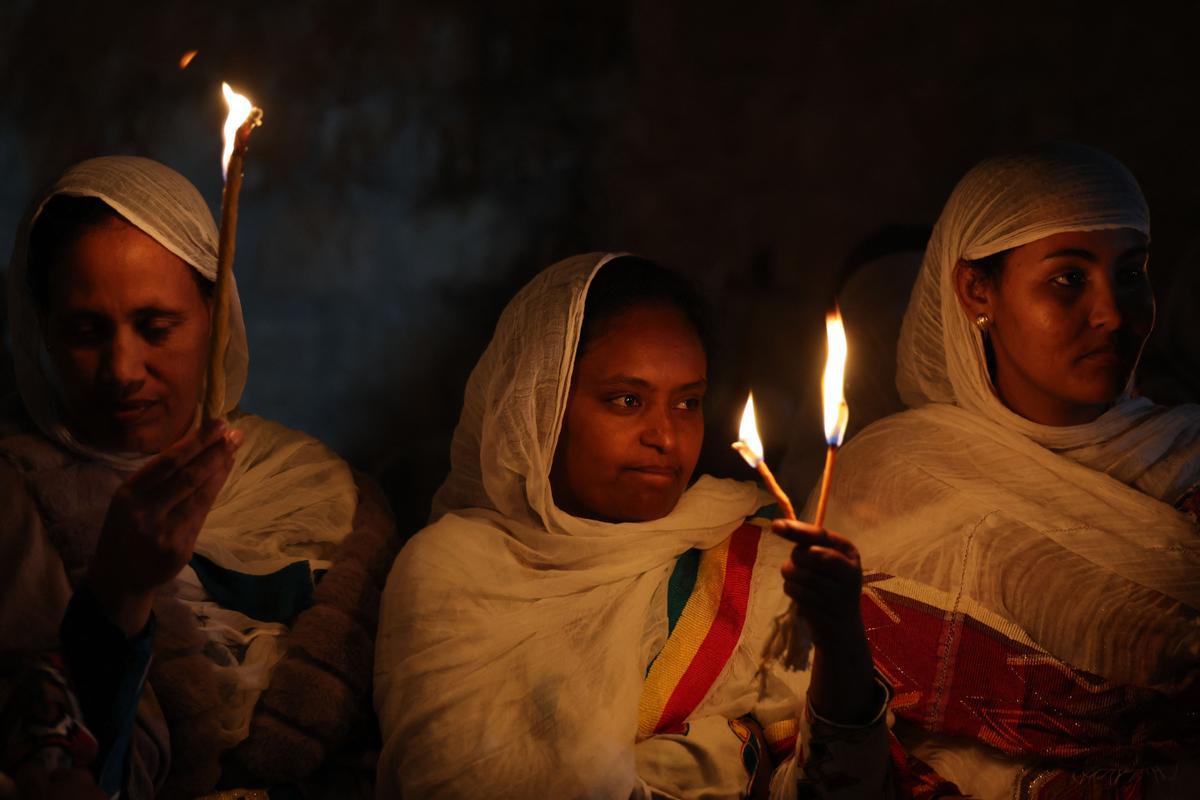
x=1112, y=242
x=116, y=264
x=655, y=343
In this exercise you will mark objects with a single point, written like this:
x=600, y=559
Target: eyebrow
x=157, y=311
x=1088, y=255
x=642, y=383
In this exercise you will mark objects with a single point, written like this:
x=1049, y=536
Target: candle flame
x=837, y=413
x=186, y=58
x=240, y=109
x=748, y=435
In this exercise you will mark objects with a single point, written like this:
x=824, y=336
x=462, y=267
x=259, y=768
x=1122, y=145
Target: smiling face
x=1070, y=314
x=126, y=326
x=634, y=422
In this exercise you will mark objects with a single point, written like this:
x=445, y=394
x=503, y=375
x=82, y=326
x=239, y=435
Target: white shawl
x=513, y=641
x=1068, y=532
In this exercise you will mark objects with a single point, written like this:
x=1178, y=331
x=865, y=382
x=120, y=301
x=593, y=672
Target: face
x=1070, y=314
x=127, y=330
x=634, y=422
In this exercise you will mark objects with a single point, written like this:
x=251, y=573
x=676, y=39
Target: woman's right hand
x=153, y=521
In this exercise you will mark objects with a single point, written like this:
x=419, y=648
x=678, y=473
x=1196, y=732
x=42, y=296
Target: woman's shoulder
x=22, y=445
x=932, y=427
x=448, y=545
x=268, y=436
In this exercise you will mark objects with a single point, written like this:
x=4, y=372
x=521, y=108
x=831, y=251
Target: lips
x=1108, y=354
x=133, y=411
x=655, y=473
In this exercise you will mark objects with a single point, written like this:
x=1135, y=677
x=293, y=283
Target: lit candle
x=749, y=446
x=837, y=413
x=242, y=119
x=792, y=638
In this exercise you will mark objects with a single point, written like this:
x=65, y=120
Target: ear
x=974, y=289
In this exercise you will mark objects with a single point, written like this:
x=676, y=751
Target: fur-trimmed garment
x=317, y=703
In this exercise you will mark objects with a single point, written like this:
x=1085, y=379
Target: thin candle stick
x=826, y=482
x=214, y=390
x=764, y=472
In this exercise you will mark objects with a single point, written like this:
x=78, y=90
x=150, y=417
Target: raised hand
x=824, y=579
x=153, y=520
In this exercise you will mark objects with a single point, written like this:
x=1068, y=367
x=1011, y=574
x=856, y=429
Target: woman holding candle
x=128, y=527
x=1032, y=520
x=578, y=621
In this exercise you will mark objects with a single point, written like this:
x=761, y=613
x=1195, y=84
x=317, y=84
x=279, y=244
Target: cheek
x=76, y=367
x=597, y=444
x=1139, y=312
x=691, y=440
x=1043, y=331
x=186, y=355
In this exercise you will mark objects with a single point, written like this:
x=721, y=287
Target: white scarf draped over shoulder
x=1067, y=532
x=511, y=651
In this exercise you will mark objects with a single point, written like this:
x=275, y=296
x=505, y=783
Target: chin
x=649, y=510
x=146, y=441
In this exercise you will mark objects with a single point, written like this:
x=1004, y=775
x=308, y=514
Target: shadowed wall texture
x=420, y=161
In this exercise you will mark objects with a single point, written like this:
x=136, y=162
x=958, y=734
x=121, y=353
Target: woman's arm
x=843, y=748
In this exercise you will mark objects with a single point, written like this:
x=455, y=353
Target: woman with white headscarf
x=1028, y=527
x=137, y=527
x=577, y=621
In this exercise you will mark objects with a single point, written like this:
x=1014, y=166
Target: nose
x=1106, y=309
x=124, y=364
x=658, y=429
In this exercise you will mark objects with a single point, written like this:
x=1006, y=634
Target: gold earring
x=983, y=322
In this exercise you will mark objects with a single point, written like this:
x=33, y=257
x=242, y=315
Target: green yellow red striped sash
x=707, y=597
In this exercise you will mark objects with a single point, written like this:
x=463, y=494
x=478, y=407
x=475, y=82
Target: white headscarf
x=512, y=634
x=162, y=204
x=1067, y=532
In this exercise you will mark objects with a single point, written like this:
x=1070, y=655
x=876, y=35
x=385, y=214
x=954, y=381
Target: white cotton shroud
x=513, y=643
x=288, y=498
x=1067, y=532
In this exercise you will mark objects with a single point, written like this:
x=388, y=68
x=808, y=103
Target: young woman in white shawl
x=138, y=528
x=1028, y=527
x=578, y=621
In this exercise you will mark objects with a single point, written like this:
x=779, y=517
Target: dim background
x=421, y=161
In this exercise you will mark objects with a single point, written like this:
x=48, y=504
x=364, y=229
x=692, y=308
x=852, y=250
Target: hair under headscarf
x=162, y=204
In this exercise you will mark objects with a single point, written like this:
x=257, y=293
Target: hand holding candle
x=792, y=639
x=242, y=119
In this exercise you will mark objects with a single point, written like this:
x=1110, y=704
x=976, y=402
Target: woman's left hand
x=824, y=579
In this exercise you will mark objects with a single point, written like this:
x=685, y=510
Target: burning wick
x=242, y=120
x=749, y=447
x=837, y=413
x=186, y=58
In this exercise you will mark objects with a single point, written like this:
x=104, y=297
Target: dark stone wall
x=420, y=161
